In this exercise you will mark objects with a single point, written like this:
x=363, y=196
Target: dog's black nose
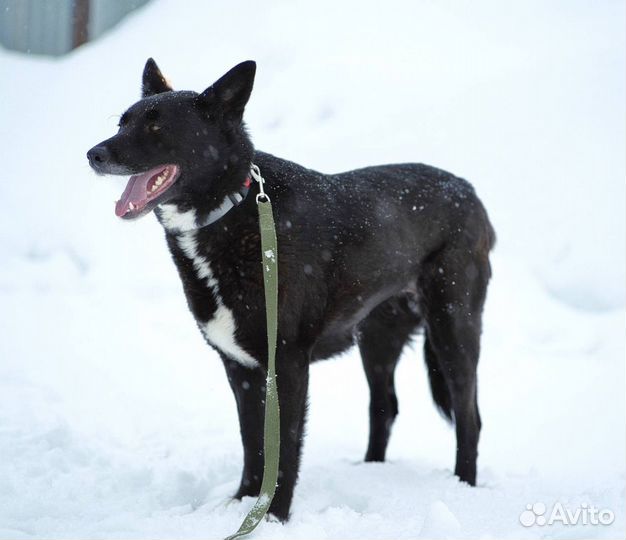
x=98, y=156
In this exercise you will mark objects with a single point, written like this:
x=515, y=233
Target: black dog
x=370, y=255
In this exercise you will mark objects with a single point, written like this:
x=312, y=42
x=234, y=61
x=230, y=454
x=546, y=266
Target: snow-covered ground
x=116, y=420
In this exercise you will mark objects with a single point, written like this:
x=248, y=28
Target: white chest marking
x=174, y=220
x=220, y=330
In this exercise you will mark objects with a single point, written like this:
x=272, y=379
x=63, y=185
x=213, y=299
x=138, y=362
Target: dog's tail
x=438, y=386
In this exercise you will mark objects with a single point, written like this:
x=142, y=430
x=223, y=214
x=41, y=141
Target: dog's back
x=357, y=238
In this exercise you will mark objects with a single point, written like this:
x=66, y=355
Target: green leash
x=271, y=435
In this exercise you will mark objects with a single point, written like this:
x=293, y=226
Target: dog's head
x=179, y=146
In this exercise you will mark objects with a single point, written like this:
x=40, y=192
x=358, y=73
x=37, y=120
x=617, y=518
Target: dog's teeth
x=131, y=206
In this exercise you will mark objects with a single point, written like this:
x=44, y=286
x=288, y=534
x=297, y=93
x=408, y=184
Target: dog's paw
x=271, y=518
x=230, y=501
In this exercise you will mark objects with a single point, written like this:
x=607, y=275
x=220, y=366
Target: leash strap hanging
x=271, y=435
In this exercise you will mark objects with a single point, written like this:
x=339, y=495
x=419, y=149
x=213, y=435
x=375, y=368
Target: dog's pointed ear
x=153, y=81
x=232, y=91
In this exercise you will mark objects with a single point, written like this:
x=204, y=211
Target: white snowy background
x=116, y=420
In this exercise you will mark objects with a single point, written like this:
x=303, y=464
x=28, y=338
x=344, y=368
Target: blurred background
x=56, y=27
x=116, y=420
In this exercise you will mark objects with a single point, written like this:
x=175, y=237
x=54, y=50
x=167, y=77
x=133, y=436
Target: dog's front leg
x=292, y=369
x=248, y=385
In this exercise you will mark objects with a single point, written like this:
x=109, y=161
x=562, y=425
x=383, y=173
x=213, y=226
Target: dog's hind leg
x=453, y=286
x=382, y=336
x=248, y=386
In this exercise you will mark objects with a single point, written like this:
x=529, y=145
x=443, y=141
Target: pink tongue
x=136, y=192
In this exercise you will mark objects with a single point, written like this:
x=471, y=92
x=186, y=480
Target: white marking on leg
x=220, y=330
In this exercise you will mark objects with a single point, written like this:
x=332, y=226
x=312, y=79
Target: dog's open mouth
x=144, y=188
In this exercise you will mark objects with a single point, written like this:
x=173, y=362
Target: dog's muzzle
x=99, y=157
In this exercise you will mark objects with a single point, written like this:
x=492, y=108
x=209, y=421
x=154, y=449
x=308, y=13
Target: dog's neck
x=183, y=218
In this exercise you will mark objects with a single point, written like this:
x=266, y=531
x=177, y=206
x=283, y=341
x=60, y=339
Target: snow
x=116, y=420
